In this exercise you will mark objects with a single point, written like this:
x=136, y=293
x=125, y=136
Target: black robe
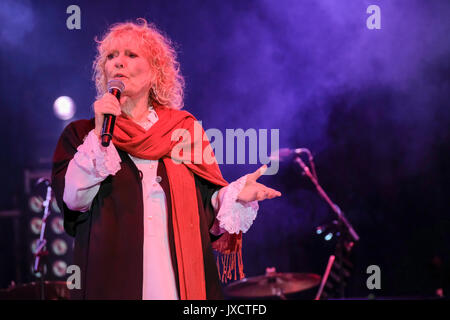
x=109, y=237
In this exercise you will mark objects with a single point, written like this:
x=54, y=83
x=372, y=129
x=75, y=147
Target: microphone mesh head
x=116, y=84
x=283, y=154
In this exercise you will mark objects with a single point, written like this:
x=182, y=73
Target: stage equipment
x=325, y=277
x=41, y=249
x=55, y=290
x=338, y=268
x=272, y=284
x=47, y=249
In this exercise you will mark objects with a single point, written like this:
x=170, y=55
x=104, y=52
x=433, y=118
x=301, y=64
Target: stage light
x=35, y=225
x=35, y=204
x=57, y=225
x=64, y=108
x=55, y=207
x=58, y=251
x=59, y=268
x=328, y=230
x=59, y=247
x=33, y=246
x=39, y=273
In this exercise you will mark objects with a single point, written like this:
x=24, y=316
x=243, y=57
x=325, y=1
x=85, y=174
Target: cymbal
x=272, y=284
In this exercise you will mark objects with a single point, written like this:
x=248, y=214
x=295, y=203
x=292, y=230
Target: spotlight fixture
x=64, y=108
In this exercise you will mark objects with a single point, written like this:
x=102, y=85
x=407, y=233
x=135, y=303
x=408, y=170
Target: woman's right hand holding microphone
x=107, y=104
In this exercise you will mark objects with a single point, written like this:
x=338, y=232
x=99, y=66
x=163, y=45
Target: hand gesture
x=256, y=191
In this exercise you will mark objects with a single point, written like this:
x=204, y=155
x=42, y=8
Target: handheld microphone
x=115, y=87
x=42, y=180
x=284, y=154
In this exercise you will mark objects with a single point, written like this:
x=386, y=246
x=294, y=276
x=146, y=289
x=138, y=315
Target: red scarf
x=156, y=143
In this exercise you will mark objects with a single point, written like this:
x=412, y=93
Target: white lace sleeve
x=89, y=167
x=234, y=215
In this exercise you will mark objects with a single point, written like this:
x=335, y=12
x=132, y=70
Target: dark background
x=372, y=106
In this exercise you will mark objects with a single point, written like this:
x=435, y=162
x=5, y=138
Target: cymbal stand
x=41, y=250
x=276, y=289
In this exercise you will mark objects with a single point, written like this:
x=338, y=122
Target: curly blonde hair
x=168, y=83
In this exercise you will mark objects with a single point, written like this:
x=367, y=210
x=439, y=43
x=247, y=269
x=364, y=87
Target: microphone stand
x=344, y=227
x=333, y=206
x=41, y=246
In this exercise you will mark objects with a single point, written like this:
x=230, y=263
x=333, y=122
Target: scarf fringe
x=229, y=258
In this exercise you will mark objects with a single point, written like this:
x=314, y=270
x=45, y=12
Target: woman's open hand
x=256, y=191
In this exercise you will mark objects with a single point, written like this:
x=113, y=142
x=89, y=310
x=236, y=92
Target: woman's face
x=126, y=62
